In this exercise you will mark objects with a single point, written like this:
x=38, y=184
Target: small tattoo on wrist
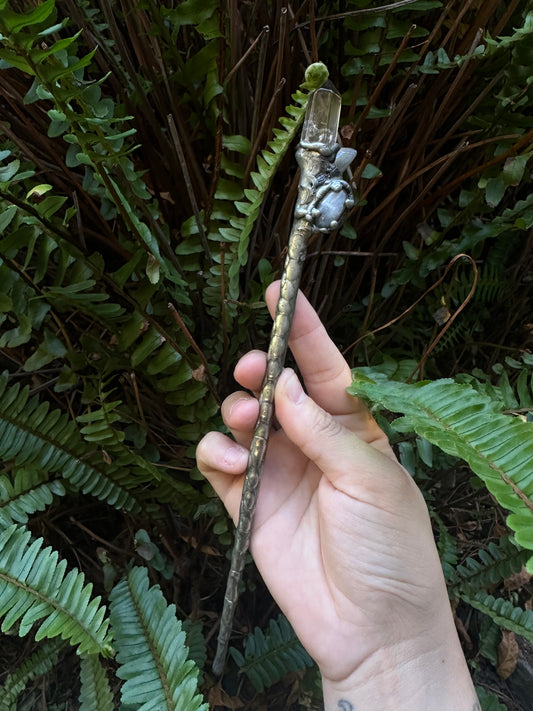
x=345, y=705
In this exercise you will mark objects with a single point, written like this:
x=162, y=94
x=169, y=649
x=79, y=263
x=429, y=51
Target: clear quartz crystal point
x=321, y=122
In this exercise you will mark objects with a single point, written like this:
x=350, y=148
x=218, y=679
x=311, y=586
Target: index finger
x=325, y=372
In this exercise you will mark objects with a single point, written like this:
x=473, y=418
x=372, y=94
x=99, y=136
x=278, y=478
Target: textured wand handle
x=290, y=281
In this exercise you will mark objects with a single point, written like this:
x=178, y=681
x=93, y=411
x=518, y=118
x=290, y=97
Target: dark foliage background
x=138, y=230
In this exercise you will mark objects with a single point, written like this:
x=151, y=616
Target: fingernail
x=294, y=389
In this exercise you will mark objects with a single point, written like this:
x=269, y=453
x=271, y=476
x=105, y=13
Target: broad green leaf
x=514, y=167
x=12, y=22
x=495, y=190
x=371, y=171
x=6, y=304
x=9, y=170
x=9, y=58
x=39, y=190
x=6, y=216
x=241, y=144
x=49, y=350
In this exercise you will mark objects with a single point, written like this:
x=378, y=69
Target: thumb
x=351, y=465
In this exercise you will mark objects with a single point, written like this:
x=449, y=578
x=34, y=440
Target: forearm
x=408, y=677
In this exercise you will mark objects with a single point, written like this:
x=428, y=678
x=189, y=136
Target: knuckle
x=325, y=424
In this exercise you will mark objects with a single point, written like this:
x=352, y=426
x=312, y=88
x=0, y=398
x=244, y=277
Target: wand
x=322, y=202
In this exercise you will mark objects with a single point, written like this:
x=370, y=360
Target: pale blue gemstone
x=331, y=210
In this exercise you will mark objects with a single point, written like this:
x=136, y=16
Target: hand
x=341, y=536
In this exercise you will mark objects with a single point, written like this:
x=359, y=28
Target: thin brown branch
x=238, y=65
x=414, y=304
x=176, y=142
x=421, y=364
x=501, y=158
x=188, y=335
x=364, y=11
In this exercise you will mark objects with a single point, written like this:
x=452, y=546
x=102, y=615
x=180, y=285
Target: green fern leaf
x=503, y=613
x=26, y=491
x=98, y=423
x=492, y=565
x=151, y=649
x=447, y=548
x=466, y=424
x=35, y=437
x=269, y=656
x=490, y=637
x=269, y=160
x=95, y=692
x=84, y=298
x=195, y=641
x=36, y=665
x=35, y=589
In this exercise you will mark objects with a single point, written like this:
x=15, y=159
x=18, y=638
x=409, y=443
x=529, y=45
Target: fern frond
x=447, y=547
x=490, y=637
x=98, y=423
x=512, y=392
x=35, y=588
x=34, y=436
x=36, y=665
x=234, y=227
x=82, y=297
x=458, y=333
x=101, y=427
x=491, y=286
x=95, y=692
x=26, y=491
x=195, y=641
x=269, y=160
x=151, y=648
x=503, y=613
x=269, y=656
x=492, y=565
x=465, y=424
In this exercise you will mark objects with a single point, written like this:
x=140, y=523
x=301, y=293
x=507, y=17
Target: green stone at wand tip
x=315, y=75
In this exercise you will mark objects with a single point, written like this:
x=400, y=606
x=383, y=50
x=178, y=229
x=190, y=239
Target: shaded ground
x=516, y=692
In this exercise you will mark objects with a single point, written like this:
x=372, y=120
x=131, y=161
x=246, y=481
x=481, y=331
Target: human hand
x=341, y=535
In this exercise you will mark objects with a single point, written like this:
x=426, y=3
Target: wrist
x=409, y=676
